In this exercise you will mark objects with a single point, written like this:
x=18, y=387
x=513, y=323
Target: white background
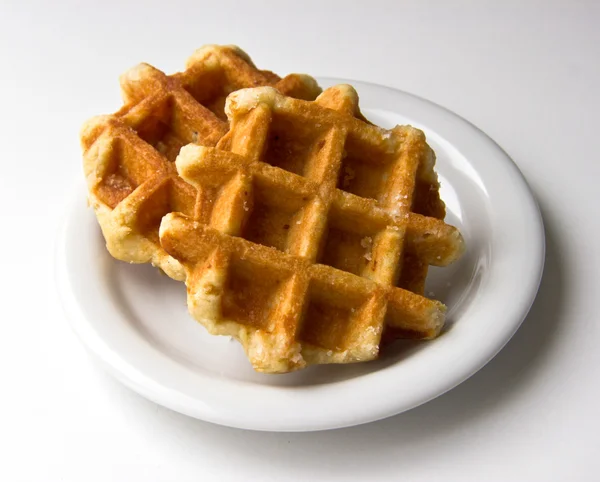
x=526, y=73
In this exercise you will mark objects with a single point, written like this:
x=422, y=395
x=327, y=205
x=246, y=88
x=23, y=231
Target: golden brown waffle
x=307, y=215
x=128, y=156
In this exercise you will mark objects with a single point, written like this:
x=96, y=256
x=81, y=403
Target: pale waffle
x=128, y=156
x=312, y=235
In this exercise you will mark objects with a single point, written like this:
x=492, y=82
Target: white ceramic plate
x=135, y=320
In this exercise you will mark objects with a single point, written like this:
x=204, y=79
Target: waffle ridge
x=313, y=230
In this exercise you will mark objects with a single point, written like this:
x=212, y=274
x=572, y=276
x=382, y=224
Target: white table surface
x=527, y=75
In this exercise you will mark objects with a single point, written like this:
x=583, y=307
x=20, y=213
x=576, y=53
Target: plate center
x=156, y=307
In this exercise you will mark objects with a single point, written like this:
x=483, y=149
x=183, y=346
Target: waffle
x=312, y=236
x=128, y=156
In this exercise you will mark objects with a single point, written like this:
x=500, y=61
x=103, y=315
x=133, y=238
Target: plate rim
x=147, y=386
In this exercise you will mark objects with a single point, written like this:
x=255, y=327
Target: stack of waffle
x=300, y=229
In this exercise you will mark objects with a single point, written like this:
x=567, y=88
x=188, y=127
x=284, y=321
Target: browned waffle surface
x=313, y=230
x=128, y=156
